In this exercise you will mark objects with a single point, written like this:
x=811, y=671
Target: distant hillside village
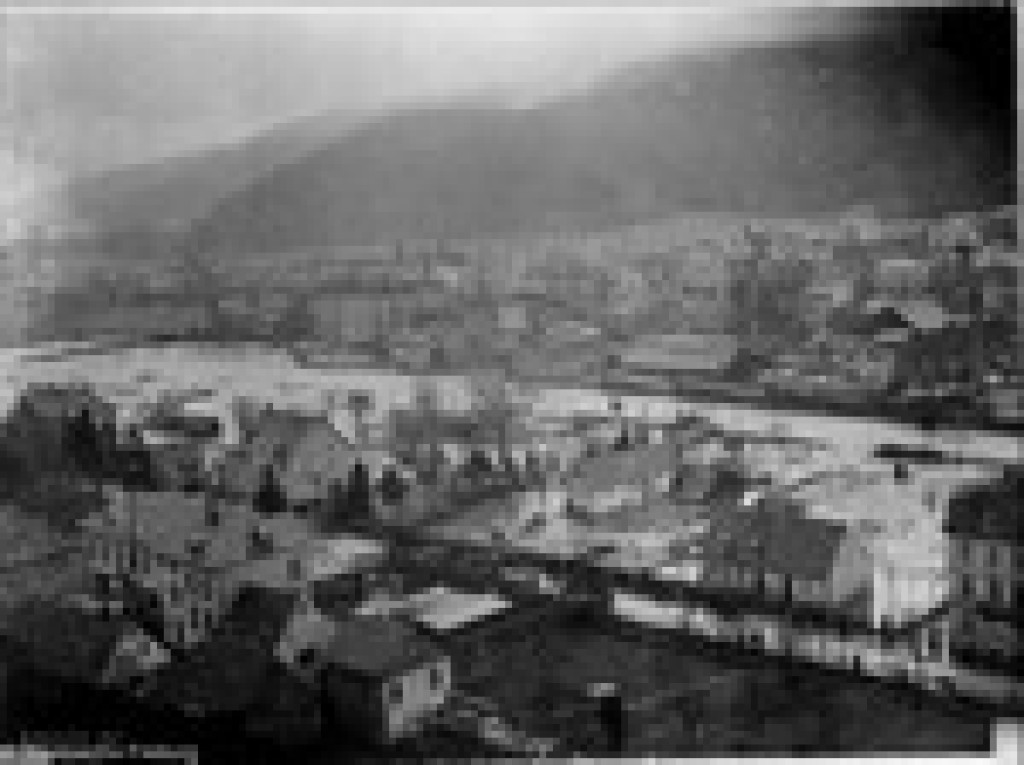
x=923, y=314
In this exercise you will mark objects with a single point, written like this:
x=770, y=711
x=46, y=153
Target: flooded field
x=272, y=375
x=261, y=373
x=851, y=437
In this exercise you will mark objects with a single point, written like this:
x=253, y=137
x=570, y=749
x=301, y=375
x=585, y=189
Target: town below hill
x=258, y=568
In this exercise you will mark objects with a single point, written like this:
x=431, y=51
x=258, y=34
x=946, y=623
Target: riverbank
x=271, y=373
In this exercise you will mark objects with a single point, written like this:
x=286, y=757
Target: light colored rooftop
x=176, y=524
x=338, y=555
x=441, y=608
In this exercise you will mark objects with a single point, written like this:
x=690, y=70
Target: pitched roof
x=259, y=612
x=637, y=466
x=443, y=609
x=474, y=427
x=307, y=451
x=135, y=653
x=316, y=459
x=378, y=646
x=342, y=554
x=776, y=537
x=926, y=314
x=305, y=627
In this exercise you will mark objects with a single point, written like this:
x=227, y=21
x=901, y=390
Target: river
x=270, y=374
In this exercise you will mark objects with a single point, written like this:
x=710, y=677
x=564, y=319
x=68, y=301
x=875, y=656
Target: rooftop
x=638, y=465
x=377, y=646
x=443, y=609
x=178, y=524
x=341, y=554
x=776, y=537
x=308, y=452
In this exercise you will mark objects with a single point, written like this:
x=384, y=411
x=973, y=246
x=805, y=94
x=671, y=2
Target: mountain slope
x=172, y=192
x=815, y=127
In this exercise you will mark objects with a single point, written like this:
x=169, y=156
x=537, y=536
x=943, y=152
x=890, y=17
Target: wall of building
x=986, y=570
x=423, y=690
x=192, y=600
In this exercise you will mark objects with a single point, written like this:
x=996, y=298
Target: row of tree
x=348, y=504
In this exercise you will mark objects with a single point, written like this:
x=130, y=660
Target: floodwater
x=271, y=375
x=261, y=373
x=852, y=437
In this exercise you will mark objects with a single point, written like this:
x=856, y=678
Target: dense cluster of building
x=240, y=554
x=852, y=309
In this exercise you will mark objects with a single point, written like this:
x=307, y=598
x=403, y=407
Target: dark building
x=987, y=560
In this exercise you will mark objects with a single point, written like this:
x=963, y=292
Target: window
x=994, y=557
x=295, y=569
x=394, y=692
x=1007, y=560
x=305, y=658
x=979, y=555
x=982, y=589
x=437, y=678
x=1003, y=594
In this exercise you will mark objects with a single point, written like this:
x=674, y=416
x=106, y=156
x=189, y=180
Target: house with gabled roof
x=134, y=656
x=776, y=547
x=305, y=458
x=171, y=548
x=384, y=678
x=181, y=559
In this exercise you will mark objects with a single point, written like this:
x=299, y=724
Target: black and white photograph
x=457, y=383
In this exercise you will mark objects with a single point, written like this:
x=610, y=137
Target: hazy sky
x=88, y=92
